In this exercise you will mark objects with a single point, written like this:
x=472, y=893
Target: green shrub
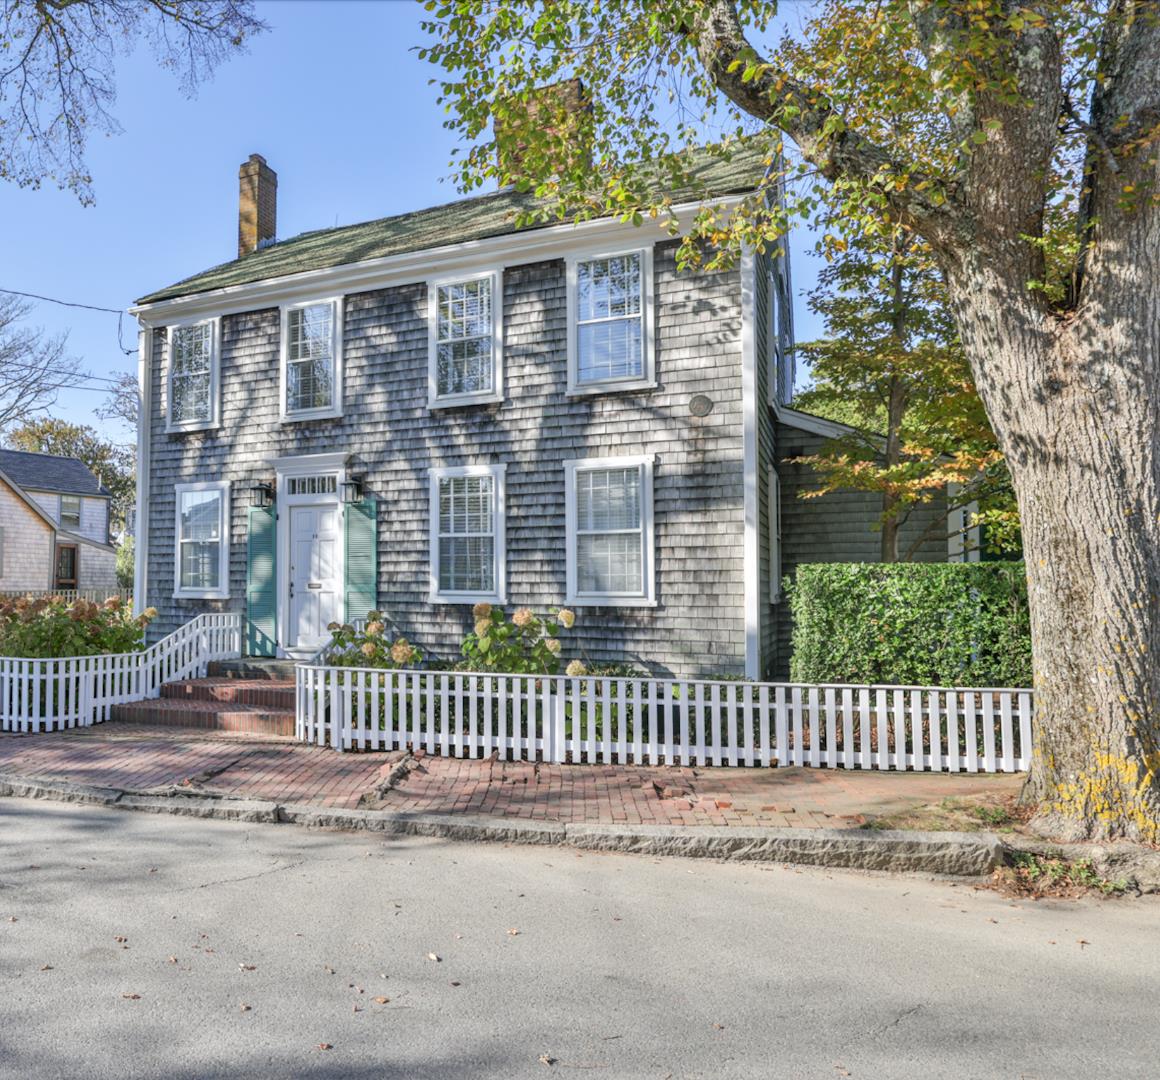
x=926, y=624
x=527, y=645
x=51, y=627
x=370, y=647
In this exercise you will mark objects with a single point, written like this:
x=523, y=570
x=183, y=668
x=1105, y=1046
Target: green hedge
x=930, y=624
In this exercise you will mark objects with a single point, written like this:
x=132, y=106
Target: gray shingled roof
x=456, y=222
x=47, y=472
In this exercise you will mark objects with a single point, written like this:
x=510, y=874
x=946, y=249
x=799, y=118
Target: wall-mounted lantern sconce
x=352, y=489
x=261, y=496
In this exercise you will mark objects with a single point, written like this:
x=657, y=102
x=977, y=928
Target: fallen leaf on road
x=12, y=918
x=172, y=960
x=547, y=1059
x=328, y=969
x=246, y=967
x=46, y=967
x=131, y=997
x=513, y=932
x=718, y=1027
x=120, y=939
x=381, y=1000
x=454, y=983
x=325, y=1046
x=435, y=957
x=1081, y=943
x=244, y=1007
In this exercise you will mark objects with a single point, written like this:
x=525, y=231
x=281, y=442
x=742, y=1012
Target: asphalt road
x=246, y=949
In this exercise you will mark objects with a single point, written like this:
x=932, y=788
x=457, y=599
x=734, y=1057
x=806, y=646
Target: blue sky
x=336, y=101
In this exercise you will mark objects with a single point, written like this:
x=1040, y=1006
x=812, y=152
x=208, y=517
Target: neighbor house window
x=202, y=533
x=66, y=566
x=193, y=376
x=70, y=511
x=608, y=514
x=609, y=325
x=467, y=534
x=311, y=360
x=465, y=362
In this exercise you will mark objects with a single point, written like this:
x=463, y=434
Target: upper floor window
x=202, y=530
x=193, y=376
x=610, y=341
x=609, y=525
x=467, y=534
x=312, y=360
x=465, y=349
x=70, y=511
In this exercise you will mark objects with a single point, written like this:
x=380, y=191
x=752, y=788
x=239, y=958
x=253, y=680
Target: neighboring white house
x=54, y=525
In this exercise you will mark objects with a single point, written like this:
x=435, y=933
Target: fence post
x=557, y=745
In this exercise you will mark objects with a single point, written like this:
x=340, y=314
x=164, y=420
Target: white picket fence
x=76, y=691
x=669, y=721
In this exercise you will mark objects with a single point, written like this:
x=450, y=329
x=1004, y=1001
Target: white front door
x=315, y=593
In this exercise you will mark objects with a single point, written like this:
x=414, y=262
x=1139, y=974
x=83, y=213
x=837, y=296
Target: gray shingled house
x=54, y=526
x=428, y=410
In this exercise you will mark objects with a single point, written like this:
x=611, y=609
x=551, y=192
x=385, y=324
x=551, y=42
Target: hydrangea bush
x=525, y=645
x=48, y=627
x=371, y=647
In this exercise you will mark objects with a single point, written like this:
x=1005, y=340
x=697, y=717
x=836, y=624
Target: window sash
x=70, y=510
x=600, y=536
x=464, y=338
x=191, y=354
x=609, y=331
x=466, y=534
x=199, y=542
x=310, y=356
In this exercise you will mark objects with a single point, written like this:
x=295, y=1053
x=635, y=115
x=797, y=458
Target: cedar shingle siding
x=698, y=625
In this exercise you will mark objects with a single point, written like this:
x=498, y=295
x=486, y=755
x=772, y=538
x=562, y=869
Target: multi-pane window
x=467, y=534
x=70, y=511
x=609, y=527
x=610, y=343
x=202, y=556
x=191, y=375
x=311, y=373
x=464, y=342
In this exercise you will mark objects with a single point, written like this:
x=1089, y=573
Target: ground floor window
x=202, y=541
x=467, y=534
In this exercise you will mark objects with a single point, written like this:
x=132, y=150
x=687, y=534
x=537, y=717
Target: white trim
x=222, y=592
x=215, y=364
x=647, y=598
x=435, y=400
x=413, y=267
x=773, y=495
x=648, y=380
x=752, y=511
x=819, y=425
x=334, y=409
x=498, y=473
x=284, y=469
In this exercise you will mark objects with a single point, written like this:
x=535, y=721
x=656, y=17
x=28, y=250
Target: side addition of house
x=426, y=411
x=54, y=526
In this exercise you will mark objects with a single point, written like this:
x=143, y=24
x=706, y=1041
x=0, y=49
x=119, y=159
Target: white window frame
x=499, y=525
x=646, y=598
x=774, y=510
x=214, y=418
x=222, y=592
x=647, y=380
x=334, y=409
x=435, y=400
x=60, y=512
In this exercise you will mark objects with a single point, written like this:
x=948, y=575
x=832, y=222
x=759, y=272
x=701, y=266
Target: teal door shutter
x=261, y=584
x=362, y=569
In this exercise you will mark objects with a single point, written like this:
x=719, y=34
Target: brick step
x=270, y=693
x=251, y=669
x=206, y=716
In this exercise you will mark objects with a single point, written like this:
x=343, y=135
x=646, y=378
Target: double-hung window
x=467, y=534
x=465, y=364
x=70, y=511
x=312, y=360
x=193, y=376
x=609, y=519
x=202, y=531
x=610, y=340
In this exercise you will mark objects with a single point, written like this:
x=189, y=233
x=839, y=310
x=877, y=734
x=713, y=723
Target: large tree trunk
x=1075, y=405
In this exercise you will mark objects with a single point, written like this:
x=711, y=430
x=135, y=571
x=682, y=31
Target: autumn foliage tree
x=891, y=365
x=1019, y=140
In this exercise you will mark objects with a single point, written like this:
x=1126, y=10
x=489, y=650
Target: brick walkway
x=138, y=759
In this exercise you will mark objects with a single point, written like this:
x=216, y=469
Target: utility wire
x=50, y=372
x=88, y=307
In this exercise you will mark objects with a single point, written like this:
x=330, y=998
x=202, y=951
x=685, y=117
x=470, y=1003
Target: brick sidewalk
x=140, y=760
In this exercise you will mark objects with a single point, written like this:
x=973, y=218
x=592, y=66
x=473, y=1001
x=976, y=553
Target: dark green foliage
x=924, y=624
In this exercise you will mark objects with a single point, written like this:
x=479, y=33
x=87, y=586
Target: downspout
x=144, y=430
x=752, y=555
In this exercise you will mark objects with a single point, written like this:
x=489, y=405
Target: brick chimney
x=257, y=204
x=564, y=109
